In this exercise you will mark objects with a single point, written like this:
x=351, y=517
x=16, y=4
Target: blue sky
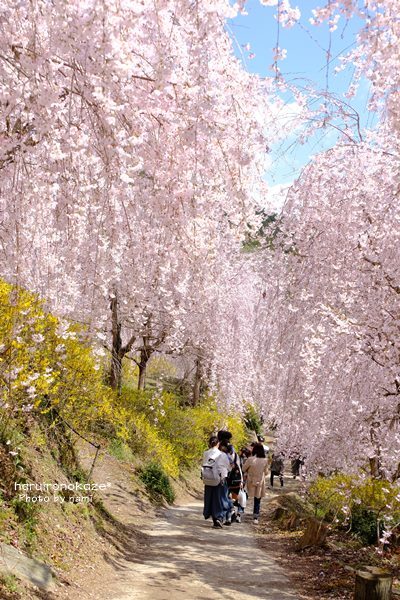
x=306, y=64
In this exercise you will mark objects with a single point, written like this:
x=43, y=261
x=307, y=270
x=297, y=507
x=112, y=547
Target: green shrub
x=157, y=483
x=364, y=523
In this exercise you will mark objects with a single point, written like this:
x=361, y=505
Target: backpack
x=235, y=476
x=210, y=471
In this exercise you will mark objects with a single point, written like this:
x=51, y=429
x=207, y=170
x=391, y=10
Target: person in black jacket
x=277, y=467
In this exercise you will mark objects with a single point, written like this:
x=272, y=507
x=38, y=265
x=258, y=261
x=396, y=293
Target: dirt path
x=187, y=559
x=176, y=555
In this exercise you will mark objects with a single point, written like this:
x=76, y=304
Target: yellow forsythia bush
x=46, y=363
x=339, y=497
x=183, y=430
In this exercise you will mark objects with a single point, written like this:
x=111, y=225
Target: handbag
x=242, y=498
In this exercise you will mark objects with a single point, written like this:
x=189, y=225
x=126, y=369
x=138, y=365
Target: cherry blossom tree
x=332, y=327
x=327, y=347
x=132, y=161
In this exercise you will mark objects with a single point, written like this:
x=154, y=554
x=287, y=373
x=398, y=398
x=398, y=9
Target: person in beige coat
x=255, y=470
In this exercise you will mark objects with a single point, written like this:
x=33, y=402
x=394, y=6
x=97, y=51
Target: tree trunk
x=145, y=354
x=197, y=383
x=373, y=584
x=115, y=373
x=146, y=350
x=396, y=474
x=118, y=351
x=375, y=461
x=374, y=467
x=314, y=535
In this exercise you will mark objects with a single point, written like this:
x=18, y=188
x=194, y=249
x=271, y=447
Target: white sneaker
x=255, y=521
x=238, y=519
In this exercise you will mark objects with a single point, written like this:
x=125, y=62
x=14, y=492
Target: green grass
x=9, y=583
x=120, y=450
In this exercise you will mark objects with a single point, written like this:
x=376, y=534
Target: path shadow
x=125, y=538
x=186, y=549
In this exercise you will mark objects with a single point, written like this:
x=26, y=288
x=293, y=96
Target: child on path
x=235, y=477
x=235, y=484
x=255, y=470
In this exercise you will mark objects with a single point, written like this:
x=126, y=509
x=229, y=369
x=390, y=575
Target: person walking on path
x=255, y=470
x=277, y=467
x=245, y=453
x=235, y=484
x=224, y=436
x=261, y=440
x=297, y=467
x=213, y=450
x=217, y=503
